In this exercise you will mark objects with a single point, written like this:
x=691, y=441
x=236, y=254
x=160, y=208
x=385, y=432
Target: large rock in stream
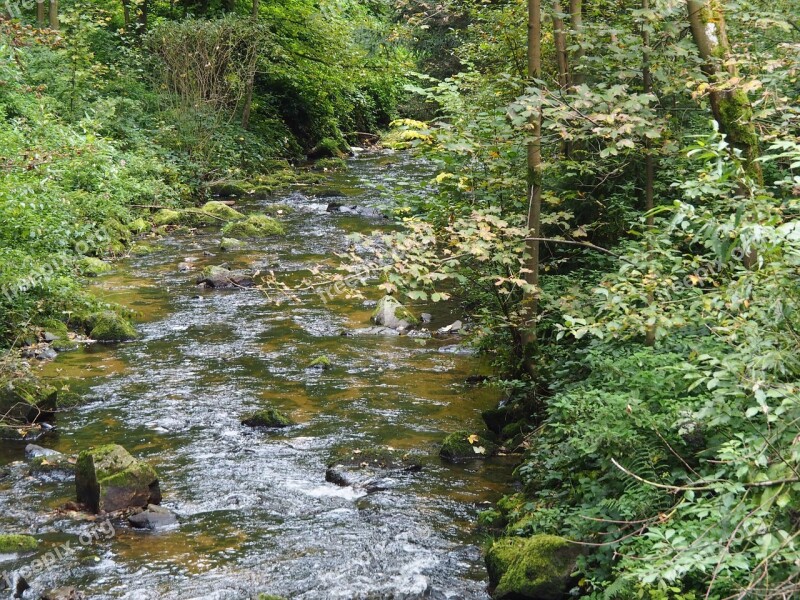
x=391, y=313
x=108, y=479
x=370, y=469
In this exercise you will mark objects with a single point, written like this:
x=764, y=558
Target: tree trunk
x=41, y=17
x=560, y=41
x=144, y=14
x=53, y=14
x=255, y=9
x=576, y=20
x=229, y=6
x=126, y=13
x=649, y=160
x=730, y=107
x=534, y=168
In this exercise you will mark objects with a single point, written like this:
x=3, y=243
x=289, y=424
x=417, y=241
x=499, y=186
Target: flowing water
x=256, y=514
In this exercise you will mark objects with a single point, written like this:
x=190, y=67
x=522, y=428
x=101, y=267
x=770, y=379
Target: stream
x=256, y=514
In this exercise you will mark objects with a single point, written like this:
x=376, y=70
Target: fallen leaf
x=473, y=438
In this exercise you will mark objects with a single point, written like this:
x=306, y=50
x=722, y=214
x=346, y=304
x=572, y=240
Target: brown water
x=256, y=514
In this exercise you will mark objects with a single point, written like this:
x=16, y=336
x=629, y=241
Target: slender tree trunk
x=255, y=9
x=576, y=20
x=534, y=168
x=144, y=15
x=126, y=13
x=560, y=41
x=229, y=6
x=649, y=160
x=731, y=107
x=41, y=17
x=54, y=14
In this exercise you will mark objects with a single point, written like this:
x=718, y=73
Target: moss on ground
x=111, y=327
x=10, y=542
x=254, y=226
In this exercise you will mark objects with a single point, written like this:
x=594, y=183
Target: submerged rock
x=268, y=417
x=64, y=593
x=391, y=313
x=108, y=478
x=371, y=469
x=254, y=226
x=154, y=517
x=463, y=445
x=230, y=244
x=111, y=327
x=34, y=451
x=221, y=278
x=371, y=331
x=362, y=211
x=535, y=568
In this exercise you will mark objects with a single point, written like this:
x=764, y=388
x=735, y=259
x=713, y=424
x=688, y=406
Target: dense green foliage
x=665, y=391
x=130, y=106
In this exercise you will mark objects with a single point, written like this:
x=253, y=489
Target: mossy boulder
x=391, y=313
x=222, y=211
x=230, y=244
x=227, y=189
x=256, y=225
x=166, y=216
x=108, y=479
x=268, y=417
x=329, y=148
x=217, y=277
x=535, y=568
x=371, y=468
x=139, y=225
x=111, y=327
x=321, y=362
x=10, y=542
x=463, y=445
x=92, y=267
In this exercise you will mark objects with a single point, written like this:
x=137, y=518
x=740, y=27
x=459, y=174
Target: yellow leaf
x=473, y=438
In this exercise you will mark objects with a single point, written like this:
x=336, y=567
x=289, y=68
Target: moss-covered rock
x=92, y=267
x=140, y=249
x=329, y=148
x=56, y=328
x=17, y=543
x=229, y=189
x=56, y=463
x=166, y=216
x=222, y=211
x=463, y=445
x=230, y=244
x=321, y=362
x=139, y=226
x=254, y=226
x=268, y=417
x=391, y=313
x=538, y=568
x=111, y=327
x=108, y=478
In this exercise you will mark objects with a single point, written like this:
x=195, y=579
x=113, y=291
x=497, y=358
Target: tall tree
x=729, y=104
x=41, y=17
x=534, y=169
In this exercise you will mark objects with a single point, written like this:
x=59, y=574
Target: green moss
x=222, y=211
x=109, y=478
x=328, y=148
x=228, y=189
x=537, y=567
x=56, y=327
x=50, y=464
x=274, y=210
x=269, y=597
x=463, y=446
x=268, y=417
x=230, y=244
x=254, y=226
x=322, y=362
x=139, y=226
x=331, y=164
x=92, y=267
x=142, y=249
x=166, y=216
x=111, y=327
x=17, y=543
